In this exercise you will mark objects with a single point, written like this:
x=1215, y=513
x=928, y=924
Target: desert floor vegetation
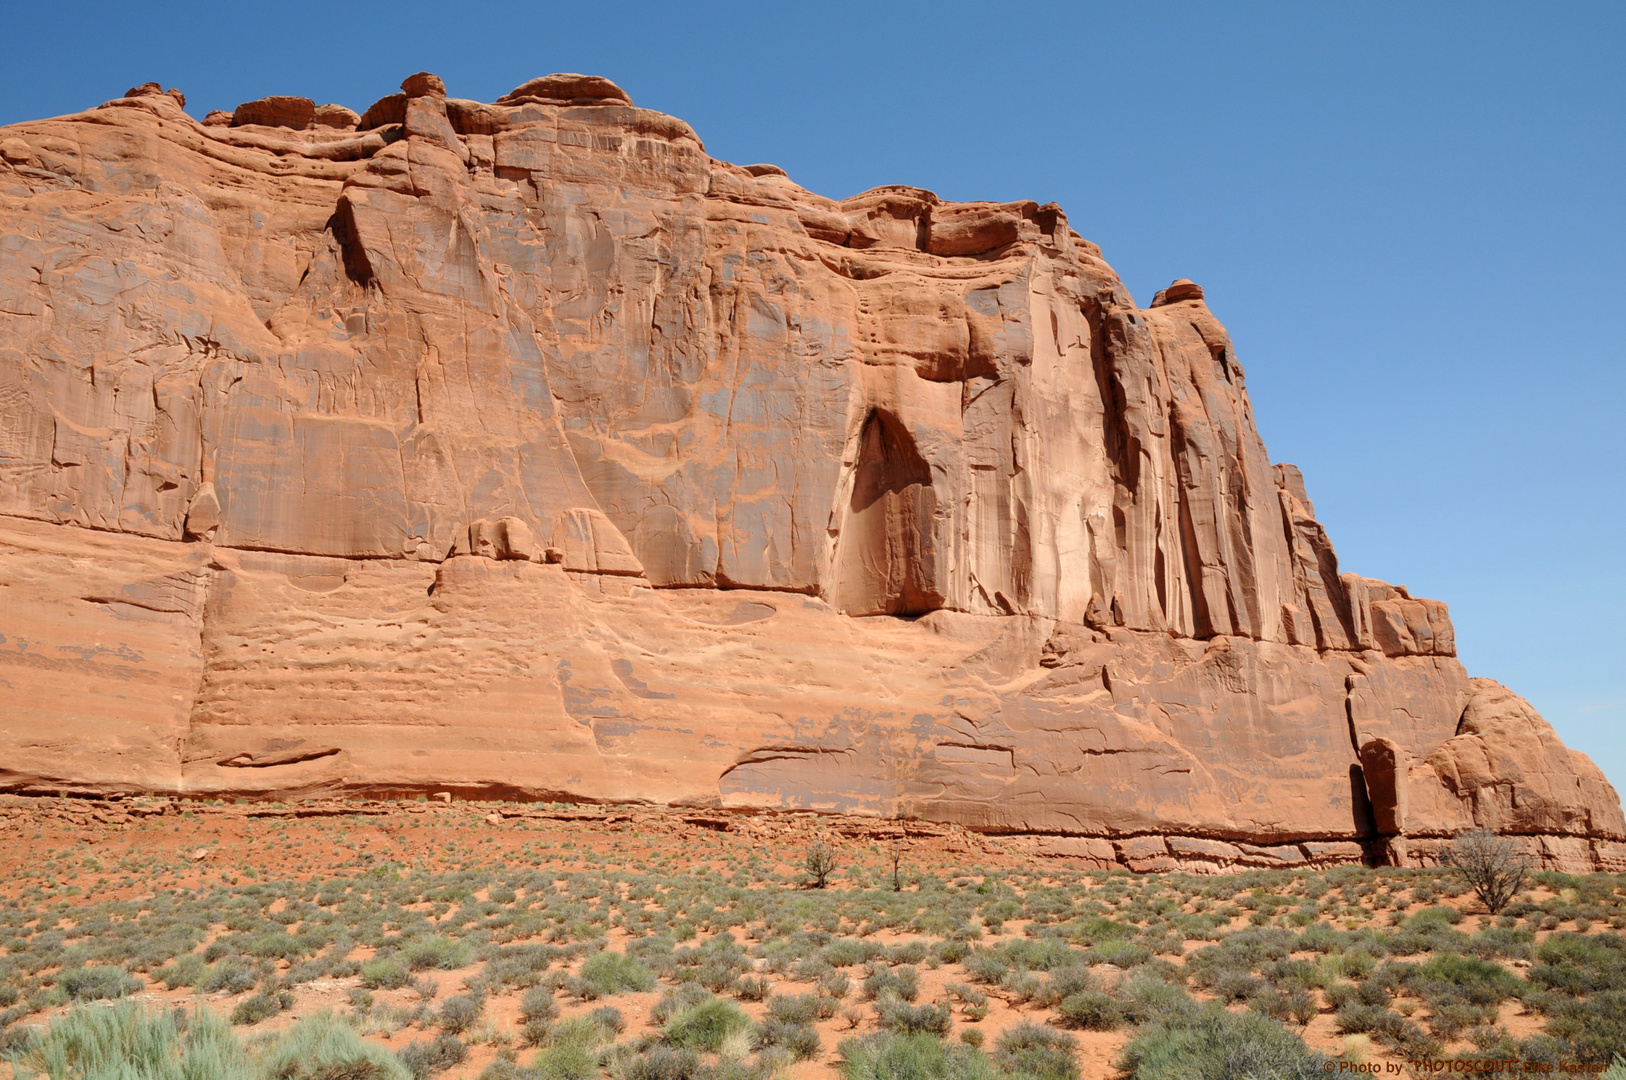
x=492, y=941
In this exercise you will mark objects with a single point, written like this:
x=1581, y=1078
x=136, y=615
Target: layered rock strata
x=525, y=449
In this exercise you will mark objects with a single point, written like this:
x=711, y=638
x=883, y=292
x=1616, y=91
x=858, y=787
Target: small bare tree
x=820, y=863
x=1491, y=864
x=895, y=849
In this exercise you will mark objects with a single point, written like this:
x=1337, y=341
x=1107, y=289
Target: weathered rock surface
x=524, y=448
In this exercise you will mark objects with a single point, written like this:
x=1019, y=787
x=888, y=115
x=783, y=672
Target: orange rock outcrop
x=524, y=448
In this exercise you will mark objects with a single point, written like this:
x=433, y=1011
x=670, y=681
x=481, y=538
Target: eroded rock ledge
x=524, y=448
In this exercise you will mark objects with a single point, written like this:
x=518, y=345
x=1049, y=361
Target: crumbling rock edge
x=1142, y=854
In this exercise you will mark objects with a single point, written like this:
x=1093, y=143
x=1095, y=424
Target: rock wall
x=523, y=448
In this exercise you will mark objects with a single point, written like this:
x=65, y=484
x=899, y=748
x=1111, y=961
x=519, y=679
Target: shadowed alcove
x=885, y=563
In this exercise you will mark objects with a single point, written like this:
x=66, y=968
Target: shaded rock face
x=523, y=448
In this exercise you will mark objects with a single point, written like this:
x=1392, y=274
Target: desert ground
x=495, y=940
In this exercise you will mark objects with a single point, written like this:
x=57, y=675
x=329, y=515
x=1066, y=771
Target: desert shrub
x=706, y=1025
x=537, y=1004
x=1064, y=982
x=1339, y=994
x=1591, y=1029
x=793, y=1009
x=1021, y=986
x=609, y=1018
x=387, y=973
x=1096, y=929
x=534, y=1032
x=1511, y=942
x=437, y=951
x=1040, y=954
x=902, y=982
x=1090, y=1010
x=281, y=945
x=1232, y=984
x=1244, y=951
x=324, y=1047
x=460, y=1012
x=1355, y=1017
x=129, y=1040
x=834, y=984
x=1449, y=1018
x=672, y=1002
x=1124, y=954
x=262, y=1006
x=1481, y=982
x=889, y=1056
x=1321, y=938
x=605, y=974
x=567, y=1061
x=1146, y=999
x=845, y=952
x=661, y=1062
x=1036, y=1050
x=801, y=1041
x=187, y=970
x=424, y=1059
x=985, y=967
x=1214, y=1044
x=1419, y=920
x=906, y=1019
x=752, y=989
x=718, y=978
x=1373, y=992
x=97, y=983
x=572, y=1051
x=656, y=952
x=1581, y=964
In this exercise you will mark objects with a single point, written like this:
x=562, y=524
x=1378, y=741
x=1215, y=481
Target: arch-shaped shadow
x=885, y=558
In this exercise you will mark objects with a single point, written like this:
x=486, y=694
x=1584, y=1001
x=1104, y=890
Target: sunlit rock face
x=524, y=449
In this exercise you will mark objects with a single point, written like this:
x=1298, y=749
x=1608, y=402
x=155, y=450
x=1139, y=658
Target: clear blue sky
x=1409, y=215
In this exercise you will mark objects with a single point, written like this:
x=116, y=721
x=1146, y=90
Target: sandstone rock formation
x=523, y=448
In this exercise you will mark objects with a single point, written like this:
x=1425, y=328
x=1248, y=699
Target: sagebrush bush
x=97, y=983
x=387, y=973
x=901, y=982
x=1581, y=963
x=660, y=1062
x=1090, y=1010
x=538, y=1004
x=324, y=1047
x=262, y=1006
x=896, y=1015
x=460, y=1012
x=1590, y=1029
x=605, y=974
x=889, y=1056
x=801, y=1041
x=437, y=951
x=130, y=1040
x=1036, y=1050
x=425, y=1059
x=1215, y=1044
x=985, y=967
x=706, y=1025
x=1355, y=1017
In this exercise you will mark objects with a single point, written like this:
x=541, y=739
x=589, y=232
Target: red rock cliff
x=525, y=449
